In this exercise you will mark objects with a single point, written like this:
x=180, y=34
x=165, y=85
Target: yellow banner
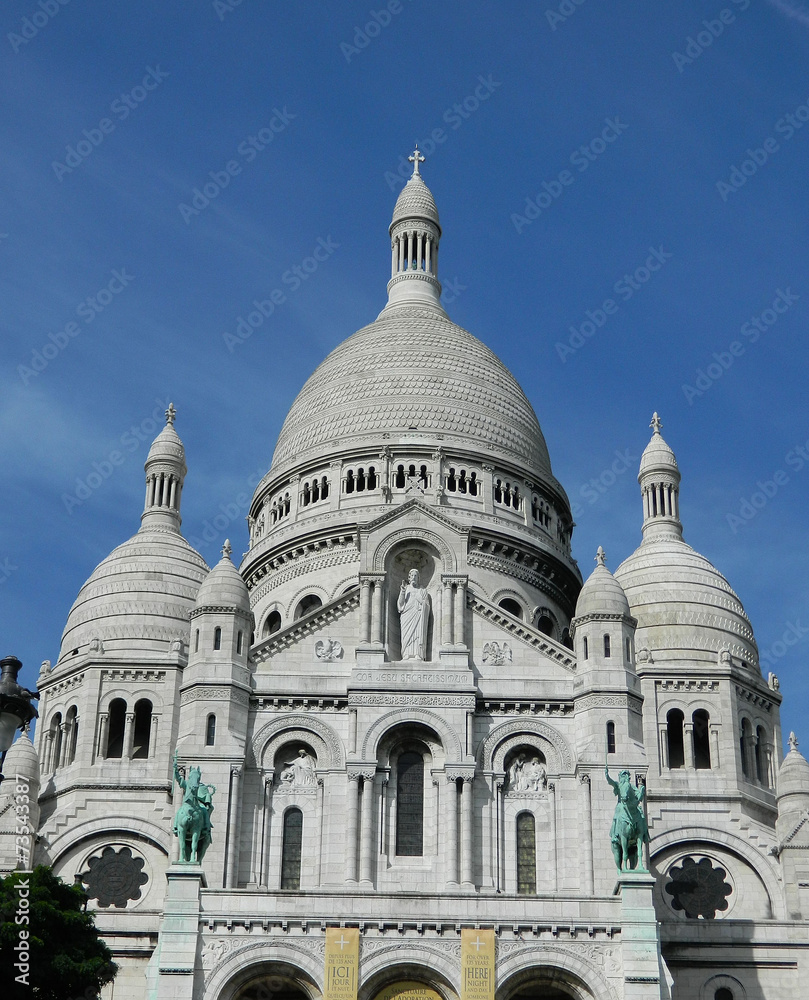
x=477, y=964
x=342, y=963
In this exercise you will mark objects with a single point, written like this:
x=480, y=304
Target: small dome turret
x=793, y=780
x=414, y=235
x=165, y=473
x=601, y=593
x=224, y=586
x=659, y=478
x=22, y=760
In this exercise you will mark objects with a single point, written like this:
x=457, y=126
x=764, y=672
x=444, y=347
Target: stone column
x=103, y=734
x=663, y=741
x=266, y=822
x=352, y=823
x=750, y=757
x=460, y=613
x=586, y=844
x=446, y=613
x=688, y=745
x=715, y=757
x=153, y=724
x=451, y=819
x=488, y=489
x=365, y=610
x=129, y=735
x=232, y=876
x=378, y=625
x=321, y=819
x=467, y=788
x=47, y=757
x=367, y=835
x=553, y=853
x=500, y=834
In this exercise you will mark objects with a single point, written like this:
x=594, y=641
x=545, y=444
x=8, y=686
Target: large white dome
x=412, y=370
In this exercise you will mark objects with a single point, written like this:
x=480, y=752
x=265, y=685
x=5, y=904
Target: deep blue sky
x=350, y=107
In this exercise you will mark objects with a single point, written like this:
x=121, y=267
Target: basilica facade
x=392, y=721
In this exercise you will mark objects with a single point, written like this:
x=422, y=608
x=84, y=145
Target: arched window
x=308, y=604
x=545, y=624
x=610, y=737
x=291, y=849
x=143, y=729
x=606, y=645
x=702, y=744
x=115, y=730
x=723, y=993
x=744, y=743
x=217, y=638
x=410, y=804
x=512, y=606
x=586, y=649
x=196, y=641
x=56, y=740
x=210, y=730
x=272, y=623
x=238, y=643
x=628, y=650
x=72, y=734
x=761, y=756
x=674, y=734
x=526, y=855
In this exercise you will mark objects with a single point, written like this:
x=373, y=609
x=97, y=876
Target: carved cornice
x=215, y=692
x=466, y=701
x=134, y=674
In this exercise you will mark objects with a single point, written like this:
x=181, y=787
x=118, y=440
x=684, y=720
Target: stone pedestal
x=173, y=963
x=645, y=974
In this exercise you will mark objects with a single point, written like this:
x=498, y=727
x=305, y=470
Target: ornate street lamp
x=16, y=710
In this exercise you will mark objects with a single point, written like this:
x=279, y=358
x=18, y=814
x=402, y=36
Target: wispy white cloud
x=792, y=9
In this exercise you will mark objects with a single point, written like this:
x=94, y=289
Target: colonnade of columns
x=163, y=490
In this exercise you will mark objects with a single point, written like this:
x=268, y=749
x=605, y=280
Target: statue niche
x=414, y=617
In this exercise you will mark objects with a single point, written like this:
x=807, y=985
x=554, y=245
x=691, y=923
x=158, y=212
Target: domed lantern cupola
x=221, y=623
x=659, y=479
x=165, y=473
x=414, y=236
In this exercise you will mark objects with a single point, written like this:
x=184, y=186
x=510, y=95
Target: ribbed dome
x=22, y=759
x=793, y=778
x=657, y=456
x=412, y=373
x=682, y=602
x=602, y=594
x=144, y=590
x=167, y=447
x=224, y=586
x=415, y=201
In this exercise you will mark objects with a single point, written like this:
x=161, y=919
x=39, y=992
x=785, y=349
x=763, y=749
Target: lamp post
x=16, y=710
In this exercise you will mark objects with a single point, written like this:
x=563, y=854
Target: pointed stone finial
x=226, y=549
x=656, y=423
x=601, y=557
x=415, y=159
x=793, y=741
x=171, y=415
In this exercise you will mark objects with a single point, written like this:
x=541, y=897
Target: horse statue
x=629, y=830
x=192, y=824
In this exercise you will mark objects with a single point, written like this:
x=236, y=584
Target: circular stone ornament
x=114, y=877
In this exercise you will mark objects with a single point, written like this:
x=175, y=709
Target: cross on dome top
x=656, y=423
x=601, y=557
x=171, y=415
x=415, y=159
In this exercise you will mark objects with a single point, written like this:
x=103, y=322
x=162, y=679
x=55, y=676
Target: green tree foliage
x=49, y=946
